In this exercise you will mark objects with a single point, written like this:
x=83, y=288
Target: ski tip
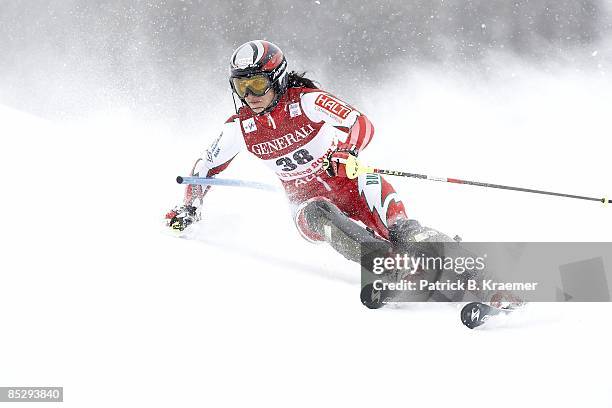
x=371, y=298
x=475, y=314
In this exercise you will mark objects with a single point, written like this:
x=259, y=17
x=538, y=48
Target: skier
x=305, y=135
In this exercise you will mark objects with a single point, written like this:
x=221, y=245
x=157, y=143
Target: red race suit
x=293, y=140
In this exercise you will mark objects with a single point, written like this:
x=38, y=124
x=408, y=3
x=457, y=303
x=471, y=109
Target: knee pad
x=309, y=218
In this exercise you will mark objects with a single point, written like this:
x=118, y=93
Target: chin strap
x=234, y=100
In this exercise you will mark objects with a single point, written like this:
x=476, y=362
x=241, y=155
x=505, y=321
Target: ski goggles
x=257, y=85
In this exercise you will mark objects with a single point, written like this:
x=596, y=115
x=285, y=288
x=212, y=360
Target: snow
x=96, y=298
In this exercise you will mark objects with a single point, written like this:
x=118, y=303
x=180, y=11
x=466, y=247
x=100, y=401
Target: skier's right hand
x=334, y=163
x=181, y=217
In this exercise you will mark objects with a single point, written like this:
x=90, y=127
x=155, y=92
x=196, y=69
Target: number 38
x=300, y=157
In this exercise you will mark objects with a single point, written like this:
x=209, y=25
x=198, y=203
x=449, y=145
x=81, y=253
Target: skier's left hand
x=334, y=164
x=182, y=217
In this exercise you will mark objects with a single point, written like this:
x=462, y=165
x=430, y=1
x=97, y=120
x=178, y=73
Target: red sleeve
x=320, y=106
x=360, y=134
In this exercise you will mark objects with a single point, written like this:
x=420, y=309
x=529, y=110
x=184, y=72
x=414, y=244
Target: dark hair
x=298, y=80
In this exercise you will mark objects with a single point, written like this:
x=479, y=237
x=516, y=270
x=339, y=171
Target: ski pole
x=209, y=181
x=355, y=169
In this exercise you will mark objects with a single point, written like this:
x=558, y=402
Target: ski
x=372, y=298
x=476, y=314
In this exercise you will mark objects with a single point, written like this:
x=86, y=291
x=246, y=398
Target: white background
x=94, y=296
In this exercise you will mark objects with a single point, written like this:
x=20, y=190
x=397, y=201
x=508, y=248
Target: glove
x=334, y=163
x=181, y=217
